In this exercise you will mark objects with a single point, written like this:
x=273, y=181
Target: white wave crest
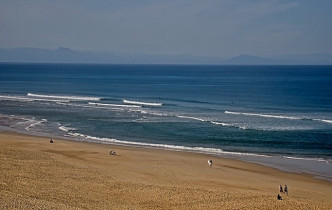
x=20, y=98
x=141, y=103
x=75, y=98
x=15, y=98
x=66, y=129
x=229, y=125
x=114, y=105
x=325, y=121
x=192, y=118
x=34, y=123
x=278, y=116
x=206, y=150
x=213, y=122
x=264, y=115
x=312, y=159
x=221, y=123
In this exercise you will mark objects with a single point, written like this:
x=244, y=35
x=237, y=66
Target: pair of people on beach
x=285, y=190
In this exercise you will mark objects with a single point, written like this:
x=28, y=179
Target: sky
x=220, y=28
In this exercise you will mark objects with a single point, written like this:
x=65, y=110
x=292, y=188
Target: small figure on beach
x=210, y=163
x=280, y=189
x=279, y=197
x=112, y=152
x=286, y=190
x=51, y=141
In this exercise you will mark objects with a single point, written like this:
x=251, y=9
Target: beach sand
x=35, y=174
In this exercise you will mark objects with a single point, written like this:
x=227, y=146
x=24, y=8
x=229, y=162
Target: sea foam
x=212, y=122
x=114, y=105
x=192, y=118
x=265, y=115
x=74, y=98
x=278, y=116
x=66, y=129
x=325, y=121
x=34, y=123
x=22, y=98
x=141, y=103
x=161, y=146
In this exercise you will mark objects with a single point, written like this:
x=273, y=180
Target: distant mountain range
x=66, y=55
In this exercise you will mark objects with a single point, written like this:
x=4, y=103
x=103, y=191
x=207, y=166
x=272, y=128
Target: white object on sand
x=210, y=163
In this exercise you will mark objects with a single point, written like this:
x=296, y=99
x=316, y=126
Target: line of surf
x=266, y=115
x=206, y=150
x=75, y=98
x=209, y=121
x=312, y=159
x=162, y=146
x=114, y=105
x=141, y=103
x=191, y=118
x=234, y=125
x=66, y=129
x=15, y=98
x=34, y=123
x=22, y=98
x=325, y=121
x=277, y=116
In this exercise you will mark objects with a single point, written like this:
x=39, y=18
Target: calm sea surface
x=280, y=112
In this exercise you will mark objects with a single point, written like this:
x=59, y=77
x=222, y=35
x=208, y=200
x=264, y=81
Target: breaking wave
x=212, y=122
x=22, y=98
x=325, y=121
x=74, y=98
x=34, y=123
x=265, y=115
x=312, y=159
x=163, y=146
x=141, y=103
x=277, y=116
x=66, y=129
x=114, y=105
x=205, y=150
x=192, y=118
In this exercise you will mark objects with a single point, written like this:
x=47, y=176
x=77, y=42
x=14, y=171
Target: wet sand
x=35, y=174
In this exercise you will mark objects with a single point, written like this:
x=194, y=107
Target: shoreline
x=73, y=174
x=320, y=169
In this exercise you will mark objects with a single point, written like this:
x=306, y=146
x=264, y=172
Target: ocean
x=279, y=116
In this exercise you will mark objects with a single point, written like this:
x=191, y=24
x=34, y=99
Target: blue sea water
x=260, y=113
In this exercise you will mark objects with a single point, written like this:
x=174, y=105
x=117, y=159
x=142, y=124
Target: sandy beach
x=35, y=174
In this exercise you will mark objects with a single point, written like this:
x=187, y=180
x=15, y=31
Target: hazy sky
x=222, y=28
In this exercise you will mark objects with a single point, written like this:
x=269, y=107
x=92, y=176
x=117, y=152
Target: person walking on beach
x=286, y=190
x=280, y=189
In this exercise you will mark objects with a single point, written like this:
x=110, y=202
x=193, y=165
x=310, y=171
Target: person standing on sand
x=280, y=189
x=210, y=163
x=286, y=190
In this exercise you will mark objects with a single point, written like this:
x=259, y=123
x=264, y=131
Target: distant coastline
x=67, y=55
